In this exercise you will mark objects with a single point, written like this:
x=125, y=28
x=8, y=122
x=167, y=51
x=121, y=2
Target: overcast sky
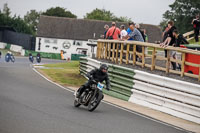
x=140, y=11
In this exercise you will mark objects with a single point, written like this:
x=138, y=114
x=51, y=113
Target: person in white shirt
x=123, y=32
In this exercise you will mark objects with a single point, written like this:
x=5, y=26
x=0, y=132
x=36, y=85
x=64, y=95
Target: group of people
x=132, y=33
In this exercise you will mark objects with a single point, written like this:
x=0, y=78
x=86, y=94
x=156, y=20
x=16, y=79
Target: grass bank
x=66, y=74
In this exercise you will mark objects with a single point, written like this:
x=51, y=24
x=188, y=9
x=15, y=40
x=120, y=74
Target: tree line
x=181, y=12
x=28, y=24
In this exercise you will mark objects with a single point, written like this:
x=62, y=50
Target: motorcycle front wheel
x=94, y=102
x=76, y=103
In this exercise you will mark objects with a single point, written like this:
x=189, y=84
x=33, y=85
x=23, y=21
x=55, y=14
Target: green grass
x=68, y=76
x=193, y=42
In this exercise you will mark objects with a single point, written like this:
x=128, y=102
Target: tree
x=32, y=19
x=15, y=22
x=102, y=14
x=59, y=12
x=6, y=10
x=182, y=12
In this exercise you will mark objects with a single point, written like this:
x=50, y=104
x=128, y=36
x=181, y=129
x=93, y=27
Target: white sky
x=140, y=11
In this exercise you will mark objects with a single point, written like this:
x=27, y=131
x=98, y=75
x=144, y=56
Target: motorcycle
x=90, y=97
x=9, y=57
x=38, y=58
x=31, y=59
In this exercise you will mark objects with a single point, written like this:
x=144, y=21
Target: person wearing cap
x=196, y=26
x=113, y=32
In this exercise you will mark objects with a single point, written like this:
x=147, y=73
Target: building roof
x=83, y=29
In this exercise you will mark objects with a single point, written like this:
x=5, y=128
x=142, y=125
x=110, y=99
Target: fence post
x=106, y=51
x=153, y=59
x=127, y=53
x=167, y=62
x=143, y=56
x=116, y=58
x=121, y=53
x=109, y=51
x=134, y=54
x=113, y=52
x=183, y=65
x=102, y=50
x=97, y=54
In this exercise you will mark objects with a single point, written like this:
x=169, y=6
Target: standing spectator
x=106, y=27
x=137, y=36
x=0, y=54
x=123, y=32
x=113, y=32
x=138, y=27
x=196, y=26
x=170, y=39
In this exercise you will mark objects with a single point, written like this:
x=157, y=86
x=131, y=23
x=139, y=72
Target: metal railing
x=120, y=52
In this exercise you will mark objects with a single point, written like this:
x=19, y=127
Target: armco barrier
x=175, y=97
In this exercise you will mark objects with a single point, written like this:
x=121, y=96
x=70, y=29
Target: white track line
x=114, y=105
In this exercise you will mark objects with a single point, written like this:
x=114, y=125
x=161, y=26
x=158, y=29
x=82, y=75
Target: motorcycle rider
x=38, y=58
x=98, y=75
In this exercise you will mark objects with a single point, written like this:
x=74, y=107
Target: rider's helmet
x=104, y=68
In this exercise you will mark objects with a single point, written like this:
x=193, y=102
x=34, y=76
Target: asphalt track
x=31, y=104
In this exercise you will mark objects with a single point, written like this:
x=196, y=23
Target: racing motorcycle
x=9, y=57
x=38, y=58
x=91, y=97
x=31, y=58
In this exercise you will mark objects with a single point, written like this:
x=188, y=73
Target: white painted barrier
x=16, y=48
x=2, y=45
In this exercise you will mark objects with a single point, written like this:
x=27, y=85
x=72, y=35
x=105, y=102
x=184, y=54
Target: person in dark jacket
x=196, y=26
x=179, y=39
x=98, y=75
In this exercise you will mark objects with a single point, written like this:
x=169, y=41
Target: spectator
x=129, y=31
x=137, y=36
x=113, y=32
x=135, y=33
x=165, y=35
x=0, y=54
x=138, y=27
x=106, y=27
x=179, y=39
x=169, y=40
x=196, y=26
x=123, y=32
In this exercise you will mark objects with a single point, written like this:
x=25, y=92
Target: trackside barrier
x=2, y=45
x=16, y=48
x=175, y=97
